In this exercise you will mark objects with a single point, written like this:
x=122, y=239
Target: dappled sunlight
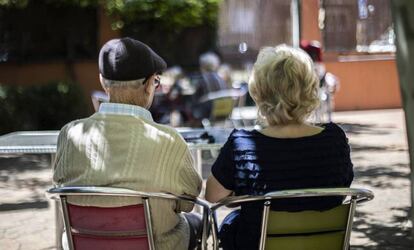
x=152, y=133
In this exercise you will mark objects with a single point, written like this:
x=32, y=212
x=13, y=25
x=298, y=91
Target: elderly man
x=206, y=81
x=121, y=146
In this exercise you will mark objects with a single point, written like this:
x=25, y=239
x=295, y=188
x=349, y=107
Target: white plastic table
x=34, y=142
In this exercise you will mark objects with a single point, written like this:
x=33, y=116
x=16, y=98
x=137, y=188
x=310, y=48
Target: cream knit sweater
x=130, y=152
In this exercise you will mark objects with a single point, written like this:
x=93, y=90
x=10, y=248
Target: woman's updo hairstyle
x=284, y=85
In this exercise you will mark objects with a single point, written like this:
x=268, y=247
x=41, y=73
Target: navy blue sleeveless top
x=254, y=164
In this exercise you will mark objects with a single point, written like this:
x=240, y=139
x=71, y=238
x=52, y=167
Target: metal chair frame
x=356, y=196
x=61, y=193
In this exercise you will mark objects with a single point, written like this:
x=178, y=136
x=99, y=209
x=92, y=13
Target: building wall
x=256, y=23
x=84, y=72
x=366, y=84
x=309, y=16
x=367, y=81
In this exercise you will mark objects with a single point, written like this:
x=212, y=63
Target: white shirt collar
x=124, y=109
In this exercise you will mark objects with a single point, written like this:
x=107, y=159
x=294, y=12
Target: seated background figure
x=206, y=81
x=328, y=82
x=288, y=153
x=121, y=146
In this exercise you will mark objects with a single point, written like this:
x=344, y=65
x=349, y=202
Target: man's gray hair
x=209, y=61
x=114, y=83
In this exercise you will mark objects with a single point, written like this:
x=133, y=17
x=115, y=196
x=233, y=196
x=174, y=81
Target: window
x=40, y=32
x=357, y=25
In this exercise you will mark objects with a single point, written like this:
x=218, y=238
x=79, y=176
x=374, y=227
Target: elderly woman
x=289, y=153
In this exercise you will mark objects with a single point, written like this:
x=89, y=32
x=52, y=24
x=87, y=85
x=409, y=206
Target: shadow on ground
x=24, y=205
x=382, y=176
x=358, y=147
x=21, y=163
x=24, y=177
x=395, y=235
x=356, y=128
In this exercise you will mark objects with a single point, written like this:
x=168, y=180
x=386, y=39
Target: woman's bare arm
x=215, y=191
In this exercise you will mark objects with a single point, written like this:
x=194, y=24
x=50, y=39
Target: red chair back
x=108, y=228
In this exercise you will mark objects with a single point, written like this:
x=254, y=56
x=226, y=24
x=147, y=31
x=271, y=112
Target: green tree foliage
x=24, y=3
x=179, y=30
x=170, y=14
x=177, y=14
x=40, y=107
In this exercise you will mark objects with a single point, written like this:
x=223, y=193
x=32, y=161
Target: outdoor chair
x=305, y=230
x=126, y=227
x=221, y=104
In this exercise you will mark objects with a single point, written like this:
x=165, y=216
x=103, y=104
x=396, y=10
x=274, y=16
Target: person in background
x=121, y=146
x=165, y=102
x=288, y=153
x=177, y=99
x=206, y=81
x=328, y=82
x=225, y=71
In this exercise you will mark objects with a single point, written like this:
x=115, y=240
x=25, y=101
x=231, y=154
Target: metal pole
x=148, y=223
x=265, y=217
x=214, y=230
x=403, y=11
x=205, y=229
x=66, y=222
x=198, y=162
x=295, y=15
x=58, y=214
x=349, y=223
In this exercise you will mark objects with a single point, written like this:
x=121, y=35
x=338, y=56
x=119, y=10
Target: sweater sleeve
x=58, y=165
x=189, y=180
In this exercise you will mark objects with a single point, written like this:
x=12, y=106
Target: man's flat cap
x=127, y=59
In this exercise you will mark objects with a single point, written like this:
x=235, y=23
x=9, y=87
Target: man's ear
x=101, y=80
x=148, y=85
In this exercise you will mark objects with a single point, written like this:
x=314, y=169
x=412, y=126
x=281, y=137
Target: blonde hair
x=284, y=85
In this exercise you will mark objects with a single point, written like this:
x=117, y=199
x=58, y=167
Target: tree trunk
x=403, y=17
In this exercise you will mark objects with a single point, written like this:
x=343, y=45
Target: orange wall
x=87, y=74
x=83, y=72
x=309, y=20
x=26, y=74
x=366, y=84
x=105, y=31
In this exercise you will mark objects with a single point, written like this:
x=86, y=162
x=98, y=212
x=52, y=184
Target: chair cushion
x=222, y=108
x=326, y=241
x=305, y=222
x=108, y=228
x=128, y=243
x=125, y=218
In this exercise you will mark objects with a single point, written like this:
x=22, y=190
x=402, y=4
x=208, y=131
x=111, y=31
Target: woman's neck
x=292, y=130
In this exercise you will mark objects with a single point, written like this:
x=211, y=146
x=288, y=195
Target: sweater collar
x=124, y=109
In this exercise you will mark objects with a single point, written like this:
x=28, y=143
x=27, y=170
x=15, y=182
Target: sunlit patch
x=154, y=134
x=94, y=148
